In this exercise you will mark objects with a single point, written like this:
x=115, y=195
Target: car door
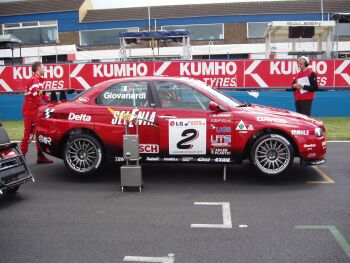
x=126, y=106
x=188, y=130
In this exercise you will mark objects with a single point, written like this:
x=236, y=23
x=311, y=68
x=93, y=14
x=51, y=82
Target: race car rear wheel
x=83, y=154
x=272, y=154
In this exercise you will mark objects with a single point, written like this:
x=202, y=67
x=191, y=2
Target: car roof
x=145, y=78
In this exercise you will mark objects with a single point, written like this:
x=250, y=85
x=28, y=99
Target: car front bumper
x=308, y=162
x=13, y=170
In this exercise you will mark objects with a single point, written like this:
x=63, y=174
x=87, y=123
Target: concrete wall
x=327, y=103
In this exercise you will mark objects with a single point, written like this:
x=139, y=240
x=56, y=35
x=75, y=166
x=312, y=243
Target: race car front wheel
x=272, y=154
x=82, y=154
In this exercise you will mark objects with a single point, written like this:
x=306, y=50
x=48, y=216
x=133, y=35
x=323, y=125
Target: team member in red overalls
x=33, y=99
x=304, y=87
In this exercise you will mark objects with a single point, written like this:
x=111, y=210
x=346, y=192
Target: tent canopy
x=6, y=41
x=323, y=32
x=341, y=17
x=155, y=38
x=9, y=42
x=280, y=29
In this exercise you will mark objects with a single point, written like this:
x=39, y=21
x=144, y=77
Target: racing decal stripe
x=346, y=77
x=4, y=85
x=76, y=70
x=83, y=82
x=252, y=66
x=342, y=66
x=259, y=80
x=340, y=70
x=162, y=68
x=3, y=82
x=255, y=76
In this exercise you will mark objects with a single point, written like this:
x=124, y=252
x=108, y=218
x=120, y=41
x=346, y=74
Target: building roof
x=217, y=9
x=38, y=6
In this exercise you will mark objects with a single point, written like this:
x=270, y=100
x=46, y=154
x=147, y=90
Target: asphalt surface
x=63, y=218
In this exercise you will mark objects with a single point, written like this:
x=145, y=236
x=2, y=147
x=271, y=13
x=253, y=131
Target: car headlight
x=319, y=132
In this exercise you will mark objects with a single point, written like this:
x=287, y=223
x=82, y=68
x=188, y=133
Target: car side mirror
x=213, y=106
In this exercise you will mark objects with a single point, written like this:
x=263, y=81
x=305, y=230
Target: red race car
x=178, y=120
x=13, y=168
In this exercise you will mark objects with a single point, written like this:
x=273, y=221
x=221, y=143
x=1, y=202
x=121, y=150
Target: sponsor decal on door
x=187, y=136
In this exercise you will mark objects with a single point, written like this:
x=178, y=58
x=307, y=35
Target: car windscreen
x=80, y=94
x=222, y=97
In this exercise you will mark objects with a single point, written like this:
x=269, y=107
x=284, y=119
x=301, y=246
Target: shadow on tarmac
x=182, y=174
x=8, y=200
x=169, y=179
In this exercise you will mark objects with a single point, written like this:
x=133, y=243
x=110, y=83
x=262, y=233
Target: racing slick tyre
x=12, y=190
x=82, y=154
x=272, y=154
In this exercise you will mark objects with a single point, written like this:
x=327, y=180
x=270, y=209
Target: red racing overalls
x=32, y=101
x=311, y=88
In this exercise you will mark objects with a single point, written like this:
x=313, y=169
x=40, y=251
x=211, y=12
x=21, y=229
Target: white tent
x=40, y=51
x=278, y=31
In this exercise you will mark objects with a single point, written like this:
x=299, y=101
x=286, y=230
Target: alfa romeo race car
x=13, y=168
x=178, y=120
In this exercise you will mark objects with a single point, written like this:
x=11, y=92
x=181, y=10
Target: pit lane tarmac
x=185, y=214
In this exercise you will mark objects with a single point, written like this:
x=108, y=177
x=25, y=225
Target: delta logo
x=52, y=114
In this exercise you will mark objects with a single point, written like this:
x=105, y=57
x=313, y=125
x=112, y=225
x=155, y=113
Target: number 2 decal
x=191, y=135
x=187, y=136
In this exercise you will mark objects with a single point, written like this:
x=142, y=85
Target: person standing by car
x=34, y=97
x=304, y=87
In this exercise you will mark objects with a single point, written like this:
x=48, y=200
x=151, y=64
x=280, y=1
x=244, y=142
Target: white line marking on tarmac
x=169, y=259
x=226, y=215
x=326, y=178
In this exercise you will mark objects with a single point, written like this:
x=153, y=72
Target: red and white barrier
x=217, y=73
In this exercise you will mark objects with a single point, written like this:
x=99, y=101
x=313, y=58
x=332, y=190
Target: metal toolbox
x=131, y=147
x=131, y=176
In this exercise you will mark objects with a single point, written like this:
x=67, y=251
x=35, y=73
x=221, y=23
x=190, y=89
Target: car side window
x=176, y=95
x=126, y=94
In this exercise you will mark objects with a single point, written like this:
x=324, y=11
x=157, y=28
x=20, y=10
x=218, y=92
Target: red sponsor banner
x=224, y=73
x=342, y=73
x=280, y=73
x=88, y=75
x=14, y=78
x=216, y=73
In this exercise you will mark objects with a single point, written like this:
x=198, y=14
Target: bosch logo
x=149, y=148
